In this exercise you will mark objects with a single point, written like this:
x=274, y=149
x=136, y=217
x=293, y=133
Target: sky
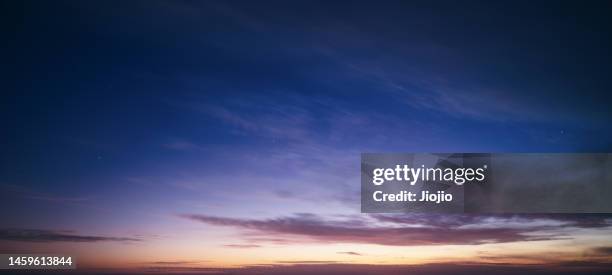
x=188, y=135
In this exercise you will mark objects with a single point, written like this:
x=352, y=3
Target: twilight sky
x=199, y=134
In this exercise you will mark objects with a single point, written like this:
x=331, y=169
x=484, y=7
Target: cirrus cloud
x=410, y=230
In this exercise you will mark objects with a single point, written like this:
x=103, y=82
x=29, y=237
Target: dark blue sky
x=116, y=79
x=139, y=103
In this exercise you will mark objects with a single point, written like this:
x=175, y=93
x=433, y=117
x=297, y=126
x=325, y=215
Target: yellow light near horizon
x=189, y=250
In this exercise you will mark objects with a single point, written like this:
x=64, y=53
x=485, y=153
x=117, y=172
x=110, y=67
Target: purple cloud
x=410, y=229
x=37, y=235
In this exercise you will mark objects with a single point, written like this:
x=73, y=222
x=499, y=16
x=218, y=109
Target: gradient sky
x=228, y=133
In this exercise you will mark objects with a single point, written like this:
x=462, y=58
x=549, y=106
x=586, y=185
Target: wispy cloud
x=604, y=251
x=435, y=230
x=351, y=253
x=29, y=193
x=307, y=262
x=38, y=235
x=242, y=245
x=182, y=145
x=291, y=123
x=175, y=262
